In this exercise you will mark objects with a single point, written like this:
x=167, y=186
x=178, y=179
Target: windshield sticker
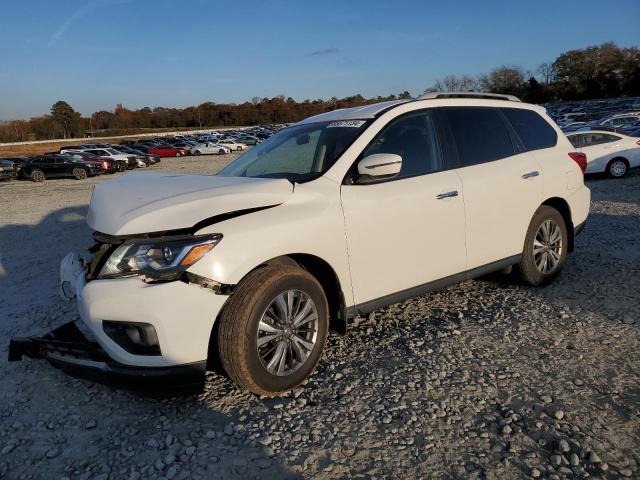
x=347, y=124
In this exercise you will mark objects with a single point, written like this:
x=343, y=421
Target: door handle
x=531, y=174
x=441, y=196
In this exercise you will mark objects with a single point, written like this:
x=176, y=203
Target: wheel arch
x=322, y=271
x=561, y=205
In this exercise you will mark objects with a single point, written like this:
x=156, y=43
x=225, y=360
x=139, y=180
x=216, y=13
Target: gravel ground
x=487, y=379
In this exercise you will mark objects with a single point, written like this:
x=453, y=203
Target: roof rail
x=488, y=96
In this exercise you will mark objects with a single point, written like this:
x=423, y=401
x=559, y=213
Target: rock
x=626, y=472
x=7, y=449
x=535, y=473
x=556, y=460
x=574, y=460
x=506, y=430
x=52, y=453
x=263, y=463
x=594, y=458
x=91, y=424
x=546, y=399
x=629, y=320
x=228, y=429
x=558, y=414
x=563, y=446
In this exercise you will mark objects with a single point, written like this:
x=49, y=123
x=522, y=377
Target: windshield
x=299, y=153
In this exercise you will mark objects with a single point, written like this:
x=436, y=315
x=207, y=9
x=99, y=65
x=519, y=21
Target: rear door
x=502, y=183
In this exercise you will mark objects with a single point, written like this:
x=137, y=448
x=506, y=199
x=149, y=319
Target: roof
x=355, y=113
x=372, y=111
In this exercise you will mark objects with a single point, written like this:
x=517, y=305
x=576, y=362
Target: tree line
x=601, y=71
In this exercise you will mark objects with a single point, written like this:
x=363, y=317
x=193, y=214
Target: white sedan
x=611, y=153
x=210, y=148
x=233, y=145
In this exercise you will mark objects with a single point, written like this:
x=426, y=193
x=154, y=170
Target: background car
x=232, y=145
x=8, y=170
x=168, y=151
x=210, y=148
x=40, y=168
x=611, y=153
x=108, y=165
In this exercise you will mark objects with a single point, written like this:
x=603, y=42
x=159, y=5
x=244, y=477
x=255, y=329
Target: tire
x=221, y=152
x=121, y=167
x=543, y=265
x=79, y=173
x=197, y=152
x=238, y=149
x=617, y=168
x=37, y=175
x=253, y=304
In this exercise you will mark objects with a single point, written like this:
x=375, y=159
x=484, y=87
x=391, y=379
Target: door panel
x=500, y=200
x=400, y=235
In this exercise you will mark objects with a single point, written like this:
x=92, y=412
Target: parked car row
x=90, y=159
x=618, y=113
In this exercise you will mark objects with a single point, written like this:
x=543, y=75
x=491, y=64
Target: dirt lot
x=486, y=379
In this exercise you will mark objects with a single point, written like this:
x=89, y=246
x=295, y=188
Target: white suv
x=335, y=216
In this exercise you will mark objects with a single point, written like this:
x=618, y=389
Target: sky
x=95, y=54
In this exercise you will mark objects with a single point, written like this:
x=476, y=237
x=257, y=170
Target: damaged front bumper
x=181, y=315
x=67, y=348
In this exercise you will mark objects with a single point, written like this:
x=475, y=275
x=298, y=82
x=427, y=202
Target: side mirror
x=380, y=165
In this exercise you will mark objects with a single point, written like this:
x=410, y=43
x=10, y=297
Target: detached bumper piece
x=68, y=349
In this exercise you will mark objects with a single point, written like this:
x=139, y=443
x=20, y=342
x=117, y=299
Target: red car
x=107, y=164
x=168, y=151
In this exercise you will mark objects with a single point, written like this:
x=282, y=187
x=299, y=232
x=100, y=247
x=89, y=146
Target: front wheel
x=617, y=168
x=545, y=247
x=273, y=329
x=221, y=152
x=121, y=167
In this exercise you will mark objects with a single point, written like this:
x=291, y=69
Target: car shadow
x=26, y=248
x=89, y=427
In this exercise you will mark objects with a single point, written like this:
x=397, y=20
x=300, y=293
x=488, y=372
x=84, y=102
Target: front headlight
x=157, y=259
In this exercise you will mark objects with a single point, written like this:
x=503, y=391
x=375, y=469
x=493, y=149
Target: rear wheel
x=545, y=247
x=79, y=173
x=239, y=148
x=121, y=167
x=197, y=152
x=617, y=168
x=37, y=175
x=221, y=152
x=273, y=329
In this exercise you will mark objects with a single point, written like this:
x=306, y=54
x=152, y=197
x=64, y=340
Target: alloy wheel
x=287, y=332
x=547, y=247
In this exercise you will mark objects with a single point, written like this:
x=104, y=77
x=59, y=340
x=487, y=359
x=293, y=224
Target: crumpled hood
x=138, y=203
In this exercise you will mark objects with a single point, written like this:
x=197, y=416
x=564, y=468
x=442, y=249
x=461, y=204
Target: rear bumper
x=68, y=348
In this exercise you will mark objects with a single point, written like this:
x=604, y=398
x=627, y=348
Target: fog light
x=135, y=338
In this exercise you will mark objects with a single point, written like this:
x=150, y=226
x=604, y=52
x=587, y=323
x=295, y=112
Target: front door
x=406, y=231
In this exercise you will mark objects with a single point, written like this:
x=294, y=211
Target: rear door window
x=479, y=134
x=534, y=132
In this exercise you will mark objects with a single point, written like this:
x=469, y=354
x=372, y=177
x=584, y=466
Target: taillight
x=105, y=165
x=580, y=159
x=638, y=142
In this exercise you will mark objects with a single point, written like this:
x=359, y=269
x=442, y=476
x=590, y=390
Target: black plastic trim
x=68, y=349
x=578, y=229
x=371, y=305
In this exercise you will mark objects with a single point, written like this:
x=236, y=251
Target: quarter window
x=413, y=137
x=534, y=132
x=480, y=135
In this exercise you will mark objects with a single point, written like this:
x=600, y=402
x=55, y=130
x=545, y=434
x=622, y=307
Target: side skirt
x=366, y=307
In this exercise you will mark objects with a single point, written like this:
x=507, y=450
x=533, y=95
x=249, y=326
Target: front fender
x=309, y=222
